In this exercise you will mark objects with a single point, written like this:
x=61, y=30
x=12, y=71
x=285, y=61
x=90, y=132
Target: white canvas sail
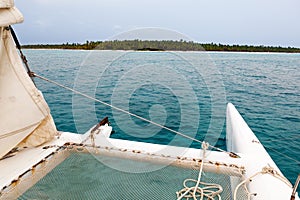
x=25, y=119
x=9, y=14
x=6, y=3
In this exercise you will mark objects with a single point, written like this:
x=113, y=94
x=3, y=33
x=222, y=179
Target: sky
x=244, y=22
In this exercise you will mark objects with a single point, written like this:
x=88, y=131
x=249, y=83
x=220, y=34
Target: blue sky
x=252, y=22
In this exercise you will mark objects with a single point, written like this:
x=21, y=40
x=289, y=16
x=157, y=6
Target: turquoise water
x=185, y=91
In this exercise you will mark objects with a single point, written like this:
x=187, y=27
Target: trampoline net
x=85, y=176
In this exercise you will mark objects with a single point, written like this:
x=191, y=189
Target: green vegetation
x=165, y=45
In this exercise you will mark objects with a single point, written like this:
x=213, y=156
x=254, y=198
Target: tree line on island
x=163, y=45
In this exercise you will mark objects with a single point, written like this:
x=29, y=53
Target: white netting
x=82, y=176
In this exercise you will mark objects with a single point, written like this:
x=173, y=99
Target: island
x=162, y=45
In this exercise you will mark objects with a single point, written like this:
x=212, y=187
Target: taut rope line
x=288, y=157
x=124, y=111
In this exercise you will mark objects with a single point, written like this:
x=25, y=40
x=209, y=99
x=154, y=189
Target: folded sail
x=9, y=14
x=25, y=118
x=6, y=3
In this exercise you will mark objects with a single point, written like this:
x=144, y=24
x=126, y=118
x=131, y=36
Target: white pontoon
x=30, y=147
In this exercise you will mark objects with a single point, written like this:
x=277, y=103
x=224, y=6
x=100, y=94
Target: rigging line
x=124, y=111
x=272, y=149
x=23, y=57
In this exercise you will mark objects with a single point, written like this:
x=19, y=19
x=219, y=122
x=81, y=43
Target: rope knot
x=269, y=170
x=205, y=145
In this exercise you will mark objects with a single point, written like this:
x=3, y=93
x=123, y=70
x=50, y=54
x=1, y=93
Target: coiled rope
x=209, y=190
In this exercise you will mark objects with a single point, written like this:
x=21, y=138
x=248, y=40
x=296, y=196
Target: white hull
x=23, y=170
x=241, y=139
x=30, y=147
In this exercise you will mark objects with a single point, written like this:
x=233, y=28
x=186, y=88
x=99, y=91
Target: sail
x=6, y=3
x=9, y=14
x=25, y=118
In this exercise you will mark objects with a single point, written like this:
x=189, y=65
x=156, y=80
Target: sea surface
x=184, y=91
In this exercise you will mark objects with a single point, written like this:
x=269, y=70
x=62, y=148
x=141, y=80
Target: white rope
x=124, y=111
x=265, y=170
x=209, y=190
x=295, y=187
